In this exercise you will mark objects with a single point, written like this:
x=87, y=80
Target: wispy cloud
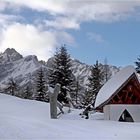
x=82, y=11
x=6, y=19
x=52, y=6
x=96, y=37
x=62, y=23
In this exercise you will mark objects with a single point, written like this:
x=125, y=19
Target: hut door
x=126, y=117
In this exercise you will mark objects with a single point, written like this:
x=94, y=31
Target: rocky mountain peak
x=10, y=51
x=9, y=55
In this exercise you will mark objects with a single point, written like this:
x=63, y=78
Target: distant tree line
x=29, y=91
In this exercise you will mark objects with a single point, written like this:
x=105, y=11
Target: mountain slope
x=24, y=69
x=21, y=69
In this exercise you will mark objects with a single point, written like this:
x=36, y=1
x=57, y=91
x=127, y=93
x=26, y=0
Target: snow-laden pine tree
x=138, y=65
x=61, y=73
x=40, y=86
x=95, y=83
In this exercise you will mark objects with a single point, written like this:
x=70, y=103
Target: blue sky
x=91, y=30
x=120, y=45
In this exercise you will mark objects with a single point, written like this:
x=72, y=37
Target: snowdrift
x=27, y=119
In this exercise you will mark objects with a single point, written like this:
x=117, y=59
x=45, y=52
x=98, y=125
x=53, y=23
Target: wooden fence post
x=53, y=101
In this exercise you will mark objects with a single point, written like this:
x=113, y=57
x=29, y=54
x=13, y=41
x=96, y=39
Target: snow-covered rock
x=21, y=69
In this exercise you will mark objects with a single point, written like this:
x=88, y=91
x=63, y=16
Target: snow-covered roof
x=114, y=84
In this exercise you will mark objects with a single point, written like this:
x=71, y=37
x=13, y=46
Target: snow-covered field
x=25, y=119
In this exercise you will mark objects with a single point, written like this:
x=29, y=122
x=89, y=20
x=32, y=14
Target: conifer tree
x=138, y=65
x=76, y=87
x=76, y=90
x=40, y=86
x=12, y=87
x=61, y=72
x=27, y=93
x=95, y=83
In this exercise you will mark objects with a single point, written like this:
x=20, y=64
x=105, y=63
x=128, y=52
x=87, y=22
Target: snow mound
x=113, y=84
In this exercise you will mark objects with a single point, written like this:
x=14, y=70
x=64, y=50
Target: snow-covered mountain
x=10, y=55
x=24, y=69
x=13, y=65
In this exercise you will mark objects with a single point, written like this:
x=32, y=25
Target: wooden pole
x=53, y=101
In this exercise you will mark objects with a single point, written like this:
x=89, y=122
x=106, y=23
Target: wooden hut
x=119, y=98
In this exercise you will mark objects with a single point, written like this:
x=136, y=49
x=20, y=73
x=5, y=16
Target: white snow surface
x=113, y=84
x=22, y=119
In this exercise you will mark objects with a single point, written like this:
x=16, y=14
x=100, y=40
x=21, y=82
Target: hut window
x=126, y=117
